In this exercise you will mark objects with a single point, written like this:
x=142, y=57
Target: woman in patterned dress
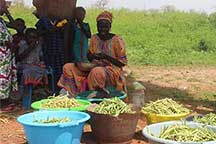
x=8, y=79
x=101, y=72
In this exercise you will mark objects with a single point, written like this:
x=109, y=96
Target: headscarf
x=105, y=15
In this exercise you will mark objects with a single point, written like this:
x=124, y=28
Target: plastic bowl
x=55, y=133
x=84, y=104
x=156, y=118
x=191, y=118
x=156, y=128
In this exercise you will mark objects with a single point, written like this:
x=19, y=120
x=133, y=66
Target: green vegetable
x=184, y=133
x=165, y=106
x=61, y=101
x=113, y=107
x=209, y=119
x=53, y=120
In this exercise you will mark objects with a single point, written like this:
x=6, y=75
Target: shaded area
x=154, y=92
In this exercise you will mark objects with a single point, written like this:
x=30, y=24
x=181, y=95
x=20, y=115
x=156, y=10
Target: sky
x=185, y=5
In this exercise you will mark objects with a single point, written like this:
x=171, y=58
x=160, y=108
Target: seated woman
x=29, y=62
x=107, y=55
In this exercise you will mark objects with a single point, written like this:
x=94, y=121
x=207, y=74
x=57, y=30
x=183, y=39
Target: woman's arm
x=86, y=67
x=114, y=61
x=9, y=24
x=11, y=19
x=120, y=50
x=92, y=57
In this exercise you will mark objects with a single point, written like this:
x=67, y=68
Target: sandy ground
x=193, y=86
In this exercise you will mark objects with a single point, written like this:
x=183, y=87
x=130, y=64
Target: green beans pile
x=61, y=101
x=53, y=120
x=184, y=133
x=209, y=119
x=113, y=106
x=165, y=107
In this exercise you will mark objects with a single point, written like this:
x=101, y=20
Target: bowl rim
x=124, y=95
x=150, y=137
x=163, y=115
x=72, y=123
x=87, y=103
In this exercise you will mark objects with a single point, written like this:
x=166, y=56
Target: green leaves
x=153, y=37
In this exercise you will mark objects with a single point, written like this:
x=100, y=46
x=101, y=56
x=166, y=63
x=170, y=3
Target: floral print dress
x=8, y=79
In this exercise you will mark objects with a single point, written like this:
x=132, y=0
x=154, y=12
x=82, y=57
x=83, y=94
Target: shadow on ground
x=154, y=92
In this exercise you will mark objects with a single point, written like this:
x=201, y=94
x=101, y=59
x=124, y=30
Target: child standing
x=18, y=38
x=82, y=33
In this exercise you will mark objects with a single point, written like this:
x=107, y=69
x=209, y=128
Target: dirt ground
x=193, y=86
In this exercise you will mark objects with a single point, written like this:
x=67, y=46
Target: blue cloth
x=54, y=41
x=53, y=47
x=80, y=43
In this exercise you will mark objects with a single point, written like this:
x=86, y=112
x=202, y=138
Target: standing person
x=107, y=54
x=82, y=33
x=52, y=45
x=19, y=37
x=78, y=52
x=8, y=79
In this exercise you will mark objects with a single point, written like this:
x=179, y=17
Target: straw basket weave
x=55, y=8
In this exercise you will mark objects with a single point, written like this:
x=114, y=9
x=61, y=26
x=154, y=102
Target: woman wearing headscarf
x=8, y=79
x=107, y=55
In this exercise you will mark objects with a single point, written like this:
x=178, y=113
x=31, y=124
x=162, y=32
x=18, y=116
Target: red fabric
x=105, y=15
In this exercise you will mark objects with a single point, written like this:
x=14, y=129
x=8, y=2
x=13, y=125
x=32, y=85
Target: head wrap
x=105, y=16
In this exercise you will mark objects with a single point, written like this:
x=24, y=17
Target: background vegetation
x=166, y=37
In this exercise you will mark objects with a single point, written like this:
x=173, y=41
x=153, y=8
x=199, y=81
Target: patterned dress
x=74, y=80
x=8, y=79
x=99, y=77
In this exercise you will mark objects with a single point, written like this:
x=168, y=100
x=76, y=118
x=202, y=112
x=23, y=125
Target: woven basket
x=55, y=8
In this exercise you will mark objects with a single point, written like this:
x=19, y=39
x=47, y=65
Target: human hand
x=99, y=63
x=99, y=56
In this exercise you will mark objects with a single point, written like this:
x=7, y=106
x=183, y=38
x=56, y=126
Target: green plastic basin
x=84, y=104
